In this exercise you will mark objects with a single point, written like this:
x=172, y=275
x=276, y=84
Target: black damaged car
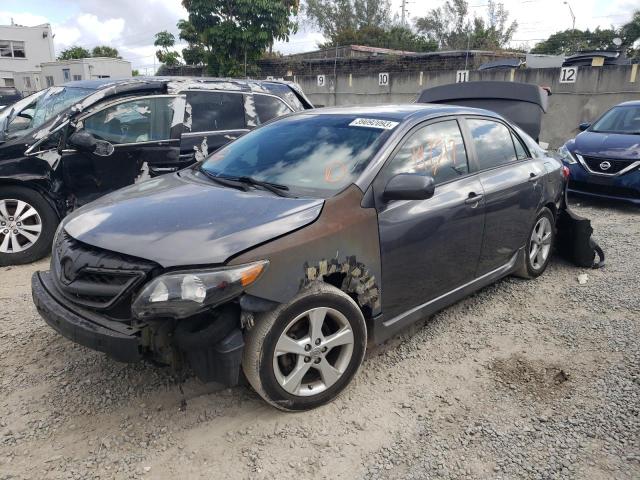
x=65, y=146
x=286, y=251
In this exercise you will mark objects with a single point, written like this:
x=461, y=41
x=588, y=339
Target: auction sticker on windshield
x=373, y=123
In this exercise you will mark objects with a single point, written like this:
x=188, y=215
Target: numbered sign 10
x=383, y=79
x=568, y=74
x=462, y=76
x=321, y=81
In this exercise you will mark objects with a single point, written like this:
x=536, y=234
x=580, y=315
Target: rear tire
x=27, y=225
x=539, y=247
x=304, y=353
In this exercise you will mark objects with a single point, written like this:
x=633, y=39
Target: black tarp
x=522, y=103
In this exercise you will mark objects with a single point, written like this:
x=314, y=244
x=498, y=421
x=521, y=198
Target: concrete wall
x=595, y=91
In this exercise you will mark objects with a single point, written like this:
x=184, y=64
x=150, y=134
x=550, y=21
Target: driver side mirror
x=583, y=126
x=409, y=186
x=83, y=141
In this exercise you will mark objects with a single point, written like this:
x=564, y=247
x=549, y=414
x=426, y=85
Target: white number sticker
x=568, y=74
x=383, y=79
x=321, y=81
x=373, y=123
x=462, y=76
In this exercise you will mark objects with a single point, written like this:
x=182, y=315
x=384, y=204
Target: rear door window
x=268, y=107
x=212, y=111
x=493, y=143
x=437, y=150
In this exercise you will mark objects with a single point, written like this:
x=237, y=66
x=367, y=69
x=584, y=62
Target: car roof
x=402, y=112
x=187, y=82
x=630, y=103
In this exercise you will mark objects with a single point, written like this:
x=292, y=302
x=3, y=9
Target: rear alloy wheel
x=539, y=245
x=27, y=226
x=305, y=353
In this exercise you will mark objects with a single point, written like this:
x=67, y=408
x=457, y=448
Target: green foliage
x=73, y=53
x=226, y=35
x=135, y=72
x=454, y=28
x=104, y=51
x=165, y=39
x=340, y=18
x=572, y=41
x=396, y=37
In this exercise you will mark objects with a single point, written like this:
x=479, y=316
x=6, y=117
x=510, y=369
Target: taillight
x=566, y=172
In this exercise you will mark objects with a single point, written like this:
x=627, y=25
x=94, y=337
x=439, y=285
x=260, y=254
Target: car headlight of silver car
x=183, y=294
x=566, y=155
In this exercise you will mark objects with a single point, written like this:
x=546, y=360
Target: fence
x=578, y=95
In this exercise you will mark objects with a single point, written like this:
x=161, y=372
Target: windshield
x=36, y=109
x=313, y=155
x=619, y=120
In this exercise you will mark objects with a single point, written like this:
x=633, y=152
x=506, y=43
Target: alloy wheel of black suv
x=27, y=225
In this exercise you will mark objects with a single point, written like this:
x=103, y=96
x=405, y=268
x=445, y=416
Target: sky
x=130, y=25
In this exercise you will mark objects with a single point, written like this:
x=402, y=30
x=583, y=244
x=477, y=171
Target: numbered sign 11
x=462, y=76
x=383, y=79
x=321, y=81
x=568, y=74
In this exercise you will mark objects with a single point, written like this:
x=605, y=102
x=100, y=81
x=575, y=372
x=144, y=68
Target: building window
x=66, y=74
x=18, y=49
x=104, y=76
x=27, y=83
x=5, y=48
x=12, y=49
x=77, y=77
x=49, y=80
x=8, y=82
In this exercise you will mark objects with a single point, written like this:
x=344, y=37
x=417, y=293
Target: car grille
x=95, y=278
x=595, y=163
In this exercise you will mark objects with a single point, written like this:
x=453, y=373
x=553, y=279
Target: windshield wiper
x=276, y=188
x=223, y=181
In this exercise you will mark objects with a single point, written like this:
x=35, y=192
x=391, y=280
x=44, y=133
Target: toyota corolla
x=289, y=250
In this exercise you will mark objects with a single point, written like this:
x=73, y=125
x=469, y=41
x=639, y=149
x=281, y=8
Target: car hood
x=611, y=145
x=182, y=220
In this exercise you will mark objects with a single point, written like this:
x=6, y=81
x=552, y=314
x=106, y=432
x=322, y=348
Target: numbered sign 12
x=462, y=76
x=383, y=79
x=568, y=74
x=321, y=81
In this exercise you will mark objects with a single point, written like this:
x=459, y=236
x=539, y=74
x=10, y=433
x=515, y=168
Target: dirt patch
x=530, y=376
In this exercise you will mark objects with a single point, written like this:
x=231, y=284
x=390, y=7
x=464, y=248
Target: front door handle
x=473, y=199
x=534, y=177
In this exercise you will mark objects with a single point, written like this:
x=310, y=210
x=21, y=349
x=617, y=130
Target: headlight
x=182, y=294
x=565, y=155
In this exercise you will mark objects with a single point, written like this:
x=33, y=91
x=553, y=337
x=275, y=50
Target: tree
x=396, y=37
x=165, y=40
x=572, y=41
x=339, y=19
x=231, y=36
x=105, y=51
x=135, y=72
x=73, y=53
x=453, y=27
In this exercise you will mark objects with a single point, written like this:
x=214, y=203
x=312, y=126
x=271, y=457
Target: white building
x=62, y=71
x=22, y=51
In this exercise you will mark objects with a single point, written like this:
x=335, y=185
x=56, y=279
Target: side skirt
x=385, y=329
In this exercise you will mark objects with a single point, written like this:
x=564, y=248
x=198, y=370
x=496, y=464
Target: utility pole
x=404, y=12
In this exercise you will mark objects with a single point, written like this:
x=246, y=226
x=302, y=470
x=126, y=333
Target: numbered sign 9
x=568, y=74
x=462, y=76
x=383, y=79
x=321, y=81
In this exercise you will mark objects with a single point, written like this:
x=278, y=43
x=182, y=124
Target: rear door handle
x=473, y=199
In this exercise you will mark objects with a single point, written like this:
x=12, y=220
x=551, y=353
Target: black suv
x=65, y=146
x=8, y=96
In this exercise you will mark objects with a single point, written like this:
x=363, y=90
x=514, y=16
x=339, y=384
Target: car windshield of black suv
x=34, y=110
x=314, y=155
x=625, y=120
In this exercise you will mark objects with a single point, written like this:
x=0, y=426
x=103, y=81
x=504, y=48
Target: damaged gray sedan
x=289, y=250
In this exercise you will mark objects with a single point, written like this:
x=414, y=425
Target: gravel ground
x=525, y=379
